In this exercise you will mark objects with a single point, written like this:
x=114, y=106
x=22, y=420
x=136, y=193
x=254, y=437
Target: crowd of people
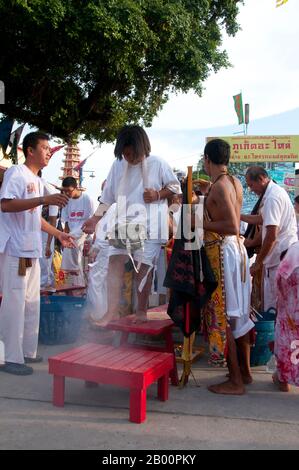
x=138, y=214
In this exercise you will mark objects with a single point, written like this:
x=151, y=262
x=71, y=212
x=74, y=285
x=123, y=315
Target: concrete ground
x=192, y=418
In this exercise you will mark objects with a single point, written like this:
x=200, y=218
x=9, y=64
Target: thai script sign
x=266, y=148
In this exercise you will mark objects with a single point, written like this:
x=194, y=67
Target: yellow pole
x=188, y=342
x=189, y=185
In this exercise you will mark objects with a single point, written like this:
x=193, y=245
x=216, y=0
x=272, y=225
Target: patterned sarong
x=214, y=315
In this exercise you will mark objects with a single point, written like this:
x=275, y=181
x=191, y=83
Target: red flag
x=55, y=149
x=81, y=164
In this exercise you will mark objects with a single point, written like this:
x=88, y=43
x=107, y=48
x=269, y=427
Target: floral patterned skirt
x=287, y=329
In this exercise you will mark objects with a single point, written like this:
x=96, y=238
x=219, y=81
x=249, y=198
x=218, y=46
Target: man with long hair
x=140, y=184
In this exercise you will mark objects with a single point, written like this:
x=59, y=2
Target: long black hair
x=135, y=137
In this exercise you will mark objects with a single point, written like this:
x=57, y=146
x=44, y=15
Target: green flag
x=239, y=107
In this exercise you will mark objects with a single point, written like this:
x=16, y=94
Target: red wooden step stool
x=65, y=289
x=153, y=327
x=135, y=369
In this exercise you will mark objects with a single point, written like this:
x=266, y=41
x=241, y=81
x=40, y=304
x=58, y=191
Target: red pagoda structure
x=71, y=160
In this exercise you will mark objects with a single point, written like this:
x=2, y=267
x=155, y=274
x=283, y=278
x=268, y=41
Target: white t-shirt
x=20, y=233
x=130, y=181
x=278, y=210
x=77, y=211
x=53, y=211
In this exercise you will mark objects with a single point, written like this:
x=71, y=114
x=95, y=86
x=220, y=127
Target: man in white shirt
x=279, y=228
x=22, y=197
x=49, y=213
x=78, y=209
x=140, y=184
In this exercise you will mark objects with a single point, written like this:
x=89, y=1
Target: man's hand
x=89, y=225
x=93, y=254
x=204, y=186
x=66, y=240
x=150, y=195
x=48, y=252
x=57, y=199
x=248, y=243
x=255, y=268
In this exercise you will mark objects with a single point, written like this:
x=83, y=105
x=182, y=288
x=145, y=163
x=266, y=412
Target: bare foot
x=227, y=388
x=99, y=324
x=103, y=322
x=246, y=378
x=140, y=317
x=282, y=386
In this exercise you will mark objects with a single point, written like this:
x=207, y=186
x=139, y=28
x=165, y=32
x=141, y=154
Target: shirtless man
x=227, y=313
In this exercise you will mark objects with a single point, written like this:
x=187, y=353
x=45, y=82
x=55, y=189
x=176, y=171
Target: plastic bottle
x=271, y=365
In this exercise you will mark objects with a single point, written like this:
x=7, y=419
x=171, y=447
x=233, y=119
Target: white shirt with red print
x=20, y=233
x=77, y=211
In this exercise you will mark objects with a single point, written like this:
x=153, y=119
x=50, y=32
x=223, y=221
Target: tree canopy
x=88, y=67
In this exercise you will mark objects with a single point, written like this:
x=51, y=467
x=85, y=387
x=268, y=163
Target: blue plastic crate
x=60, y=319
x=260, y=353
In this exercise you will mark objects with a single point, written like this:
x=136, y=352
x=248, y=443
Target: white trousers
x=1, y=269
x=161, y=272
x=270, y=291
x=72, y=262
x=19, y=311
x=46, y=265
x=96, y=300
x=237, y=290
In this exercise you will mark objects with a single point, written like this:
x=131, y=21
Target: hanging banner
x=239, y=107
x=266, y=148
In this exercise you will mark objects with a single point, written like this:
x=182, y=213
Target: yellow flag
x=280, y=2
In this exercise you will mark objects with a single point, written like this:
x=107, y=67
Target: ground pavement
x=192, y=418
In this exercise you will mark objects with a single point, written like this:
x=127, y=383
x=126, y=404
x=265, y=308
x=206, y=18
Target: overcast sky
x=265, y=66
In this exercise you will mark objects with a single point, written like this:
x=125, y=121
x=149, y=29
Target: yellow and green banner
x=265, y=148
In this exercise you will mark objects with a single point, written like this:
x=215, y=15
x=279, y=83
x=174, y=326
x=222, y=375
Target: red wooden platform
x=135, y=369
x=153, y=327
x=58, y=290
